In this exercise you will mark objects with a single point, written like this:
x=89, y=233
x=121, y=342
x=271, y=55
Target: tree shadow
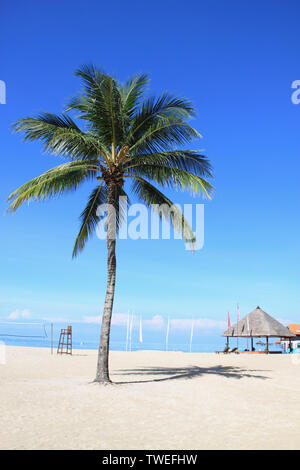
x=190, y=372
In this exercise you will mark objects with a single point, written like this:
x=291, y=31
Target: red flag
x=229, y=324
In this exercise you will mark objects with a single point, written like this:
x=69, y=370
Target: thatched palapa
x=257, y=324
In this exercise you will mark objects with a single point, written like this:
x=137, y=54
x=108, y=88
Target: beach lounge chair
x=234, y=350
x=225, y=350
x=228, y=350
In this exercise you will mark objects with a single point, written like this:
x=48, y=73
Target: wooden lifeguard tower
x=65, y=341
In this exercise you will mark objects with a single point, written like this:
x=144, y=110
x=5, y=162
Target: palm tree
x=125, y=139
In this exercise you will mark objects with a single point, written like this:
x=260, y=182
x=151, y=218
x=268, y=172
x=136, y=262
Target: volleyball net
x=22, y=330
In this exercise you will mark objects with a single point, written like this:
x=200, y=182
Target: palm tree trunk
x=102, y=374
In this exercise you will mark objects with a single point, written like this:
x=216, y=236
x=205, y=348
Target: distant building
x=295, y=340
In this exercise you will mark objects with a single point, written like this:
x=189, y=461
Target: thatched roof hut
x=257, y=324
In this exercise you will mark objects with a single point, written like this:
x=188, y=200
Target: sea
x=86, y=336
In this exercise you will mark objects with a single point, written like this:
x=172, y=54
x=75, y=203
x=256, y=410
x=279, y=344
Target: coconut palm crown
x=127, y=143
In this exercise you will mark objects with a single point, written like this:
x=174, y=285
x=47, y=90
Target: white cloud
x=118, y=319
x=59, y=320
x=19, y=314
x=95, y=319
x=157, y=322
x=200, y=323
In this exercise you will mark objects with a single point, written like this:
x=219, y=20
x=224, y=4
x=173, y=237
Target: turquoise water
x=86, y=336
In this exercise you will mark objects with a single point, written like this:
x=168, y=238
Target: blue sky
x=236, y=61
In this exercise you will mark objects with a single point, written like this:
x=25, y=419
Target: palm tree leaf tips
x=62, y=178
x=59, y=136
x=151, y=196
x=132, y=92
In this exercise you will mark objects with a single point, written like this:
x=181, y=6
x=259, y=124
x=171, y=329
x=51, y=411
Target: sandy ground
x=161, y=400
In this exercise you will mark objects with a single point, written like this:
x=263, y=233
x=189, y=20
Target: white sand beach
x=163, y=400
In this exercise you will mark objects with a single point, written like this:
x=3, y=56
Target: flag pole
x=229, y=326
x=130, y=331
x=141, y=330
x=248, y=332
x=192, y=334
x=127, y=330
x=237, y=326
x=167, y=334
x=51, y=338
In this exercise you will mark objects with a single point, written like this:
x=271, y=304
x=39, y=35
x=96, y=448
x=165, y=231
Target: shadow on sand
x=177, y=373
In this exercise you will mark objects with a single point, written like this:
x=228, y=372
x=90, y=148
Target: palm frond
x=101, y=105
x=131, y=93
x=89, y=218
x=155, y=199
x=175, y=178
x=154, y=110
x=59, y=135
x=91, y=75
x=164, y=135
x=188, y=160
x=53, y=182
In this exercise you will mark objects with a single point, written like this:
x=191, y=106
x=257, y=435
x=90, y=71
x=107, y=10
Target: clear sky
x=236, y=61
